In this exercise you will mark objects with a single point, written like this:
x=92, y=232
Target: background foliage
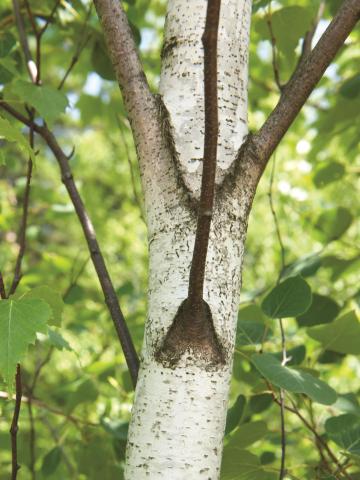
x=78, y=393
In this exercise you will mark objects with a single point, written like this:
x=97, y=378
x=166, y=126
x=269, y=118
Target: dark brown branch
x=90, y=236
x=192, y=327
x=261, y=145
x=205, y=211
x=14, y=425
x=141, y=105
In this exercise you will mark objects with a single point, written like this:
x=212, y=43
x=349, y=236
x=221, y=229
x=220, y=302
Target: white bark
x=179, y=413
x=182, y=82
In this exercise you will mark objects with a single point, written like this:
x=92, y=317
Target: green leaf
x=239, y=464
x=251, y=313
x=304, y=266
x=47, y=100
x=58, y=341
x=51, y=461
x=235, y=414
x=290, y=298
x=261, y=402
x=342, y=335
x=288, y=25
x=348, y=402
x=322, y=310
x=328, y=173
x=251, y=333
x=52, y=298
x=248, y=433
x=20, y=320
x=333, y=223
x=86, y=392
x=12, y=134
x=101, y=61
x=351, y=87
x=295, y=355
x=293, y=380
x=7, y=41
x=344, y=430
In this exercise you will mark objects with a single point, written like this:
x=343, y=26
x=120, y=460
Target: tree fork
x=192, y=328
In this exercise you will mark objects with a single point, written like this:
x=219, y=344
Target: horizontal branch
x=302, y=83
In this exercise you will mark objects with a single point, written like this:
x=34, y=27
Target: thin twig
x=259, y=147
x=107, y=286
x=50, y=18
x=74, y=278
x=323, y=460
x=80, y=47
x=282, y=331
x=32, y=440
x=309, y=36
x=42, y=405
x=24, y=218
x=31, y=66
x=276, y=221
x=57, y=439
x=205, y=210
x=275, y=63
x=282, y=405
x=14, y=424
x=2, y=287
x=308, y=425
x=136, y=194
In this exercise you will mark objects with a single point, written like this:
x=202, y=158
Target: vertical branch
x=24, y=218
x=14, y=425
x=275, y=63
x=31, y=66
x=80, y=47
x=282, y=406
x=136, y=194
x=282, y=330
x=276, y=221
x=205, y=211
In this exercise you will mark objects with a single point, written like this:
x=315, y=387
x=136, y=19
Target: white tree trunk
x=179, y=414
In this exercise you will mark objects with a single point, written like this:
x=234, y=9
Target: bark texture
x=179, y=413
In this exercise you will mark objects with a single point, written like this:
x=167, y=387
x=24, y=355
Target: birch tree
x=200, y=167
x=179, y=412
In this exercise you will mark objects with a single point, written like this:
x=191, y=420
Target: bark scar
x=192, y=331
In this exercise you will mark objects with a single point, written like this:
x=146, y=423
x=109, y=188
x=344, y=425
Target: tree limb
x=90, y=236
x=138, y=99
x=260, y=146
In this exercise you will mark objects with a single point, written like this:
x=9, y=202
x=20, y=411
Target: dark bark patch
x=192, y=333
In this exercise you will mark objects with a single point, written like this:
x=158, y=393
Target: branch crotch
x=192, y=332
